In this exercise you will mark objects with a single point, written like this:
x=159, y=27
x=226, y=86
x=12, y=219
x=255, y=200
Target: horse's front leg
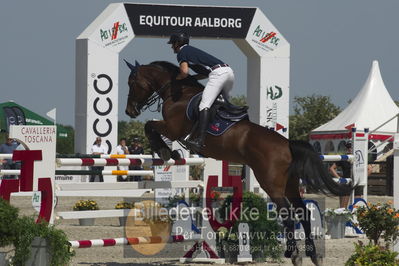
x=153, y=131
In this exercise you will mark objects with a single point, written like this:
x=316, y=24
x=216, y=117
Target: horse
x=278, y=163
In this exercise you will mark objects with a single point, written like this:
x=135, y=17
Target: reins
x=156, y=96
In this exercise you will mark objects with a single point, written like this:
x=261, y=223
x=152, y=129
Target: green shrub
x=27, y=229
x=173, y=201
x=195, y=197
x=373, y=255
x=379, y=220
x=263, y=227
x=8, y=216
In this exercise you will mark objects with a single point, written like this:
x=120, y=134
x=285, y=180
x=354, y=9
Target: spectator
x=122, y=149
x=98, y=149
x=8, y=148
x=135, y=148
x=345, y=169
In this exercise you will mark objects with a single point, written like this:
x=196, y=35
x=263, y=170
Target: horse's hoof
x=288, y=254
x=291, y=248
x=296, y=260
x=310, y=248
x=310, y=252
x=164, y=154
x=318, y=261
x=175, y=155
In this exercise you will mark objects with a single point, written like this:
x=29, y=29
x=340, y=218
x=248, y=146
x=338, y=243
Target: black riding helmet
x=181, y=38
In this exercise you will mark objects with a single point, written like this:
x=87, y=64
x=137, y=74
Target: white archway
x=97, y=58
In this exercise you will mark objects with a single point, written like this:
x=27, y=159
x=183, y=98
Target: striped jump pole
x=106, y=172
x=78, y=155
x=337, y=158
x=128, y=156
x=115, y=159
x=89, y=172
x=131, y=241
x=125, y=162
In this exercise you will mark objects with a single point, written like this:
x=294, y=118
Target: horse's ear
x=132, y=68
x=137, y=63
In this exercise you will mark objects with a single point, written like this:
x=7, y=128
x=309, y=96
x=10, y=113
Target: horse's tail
x=307, y=165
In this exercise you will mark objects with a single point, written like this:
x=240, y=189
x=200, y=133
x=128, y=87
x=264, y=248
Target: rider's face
x=175, y=47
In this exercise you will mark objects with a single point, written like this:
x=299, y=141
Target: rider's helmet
x=180, y=38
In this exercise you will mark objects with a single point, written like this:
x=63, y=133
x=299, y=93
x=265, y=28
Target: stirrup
x=187, y=138
x=195, y=145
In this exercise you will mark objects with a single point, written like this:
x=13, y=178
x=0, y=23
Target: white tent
x=372, y=107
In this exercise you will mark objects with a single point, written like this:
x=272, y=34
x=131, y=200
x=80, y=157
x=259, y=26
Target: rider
x=221, y=78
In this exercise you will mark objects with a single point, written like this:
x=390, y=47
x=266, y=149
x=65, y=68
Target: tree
x=133, y=129
x=309, y=113
x=240, y=100
x=66, y=145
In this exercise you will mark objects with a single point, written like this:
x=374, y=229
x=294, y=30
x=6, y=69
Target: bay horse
x=277, y=162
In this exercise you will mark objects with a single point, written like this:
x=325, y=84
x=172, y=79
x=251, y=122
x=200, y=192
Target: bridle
x=156, y=96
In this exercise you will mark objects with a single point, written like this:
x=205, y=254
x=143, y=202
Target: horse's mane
x=175, y=70
x=167, y=66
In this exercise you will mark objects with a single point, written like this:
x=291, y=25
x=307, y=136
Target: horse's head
x=139, y=90
x=144, y=81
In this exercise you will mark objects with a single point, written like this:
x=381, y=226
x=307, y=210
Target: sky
x=333, y=44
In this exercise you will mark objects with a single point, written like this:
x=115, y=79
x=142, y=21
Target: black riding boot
x=198, y=143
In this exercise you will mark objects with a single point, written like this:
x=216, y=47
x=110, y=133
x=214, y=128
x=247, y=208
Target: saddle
x=224, y=114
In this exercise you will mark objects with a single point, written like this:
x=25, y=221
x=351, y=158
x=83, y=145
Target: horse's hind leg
x=285, y=212
x=304, y=214
x=156, y=142
x=272, y=177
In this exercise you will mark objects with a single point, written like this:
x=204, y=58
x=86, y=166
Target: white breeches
x=221, y=80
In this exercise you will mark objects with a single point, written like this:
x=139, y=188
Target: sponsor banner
x=14, y=116
x=67, y=179
x=276, y=115
x=198, y=21
x=275, y=95
x=115, y=31
x=263, y=36
x=37, y=200
x=163, y=173
x=102, y=97
x=38, y=138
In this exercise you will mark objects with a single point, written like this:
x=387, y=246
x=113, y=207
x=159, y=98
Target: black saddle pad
x=223, y=114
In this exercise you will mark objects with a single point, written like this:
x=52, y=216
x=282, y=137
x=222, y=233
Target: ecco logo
x=105, y=88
